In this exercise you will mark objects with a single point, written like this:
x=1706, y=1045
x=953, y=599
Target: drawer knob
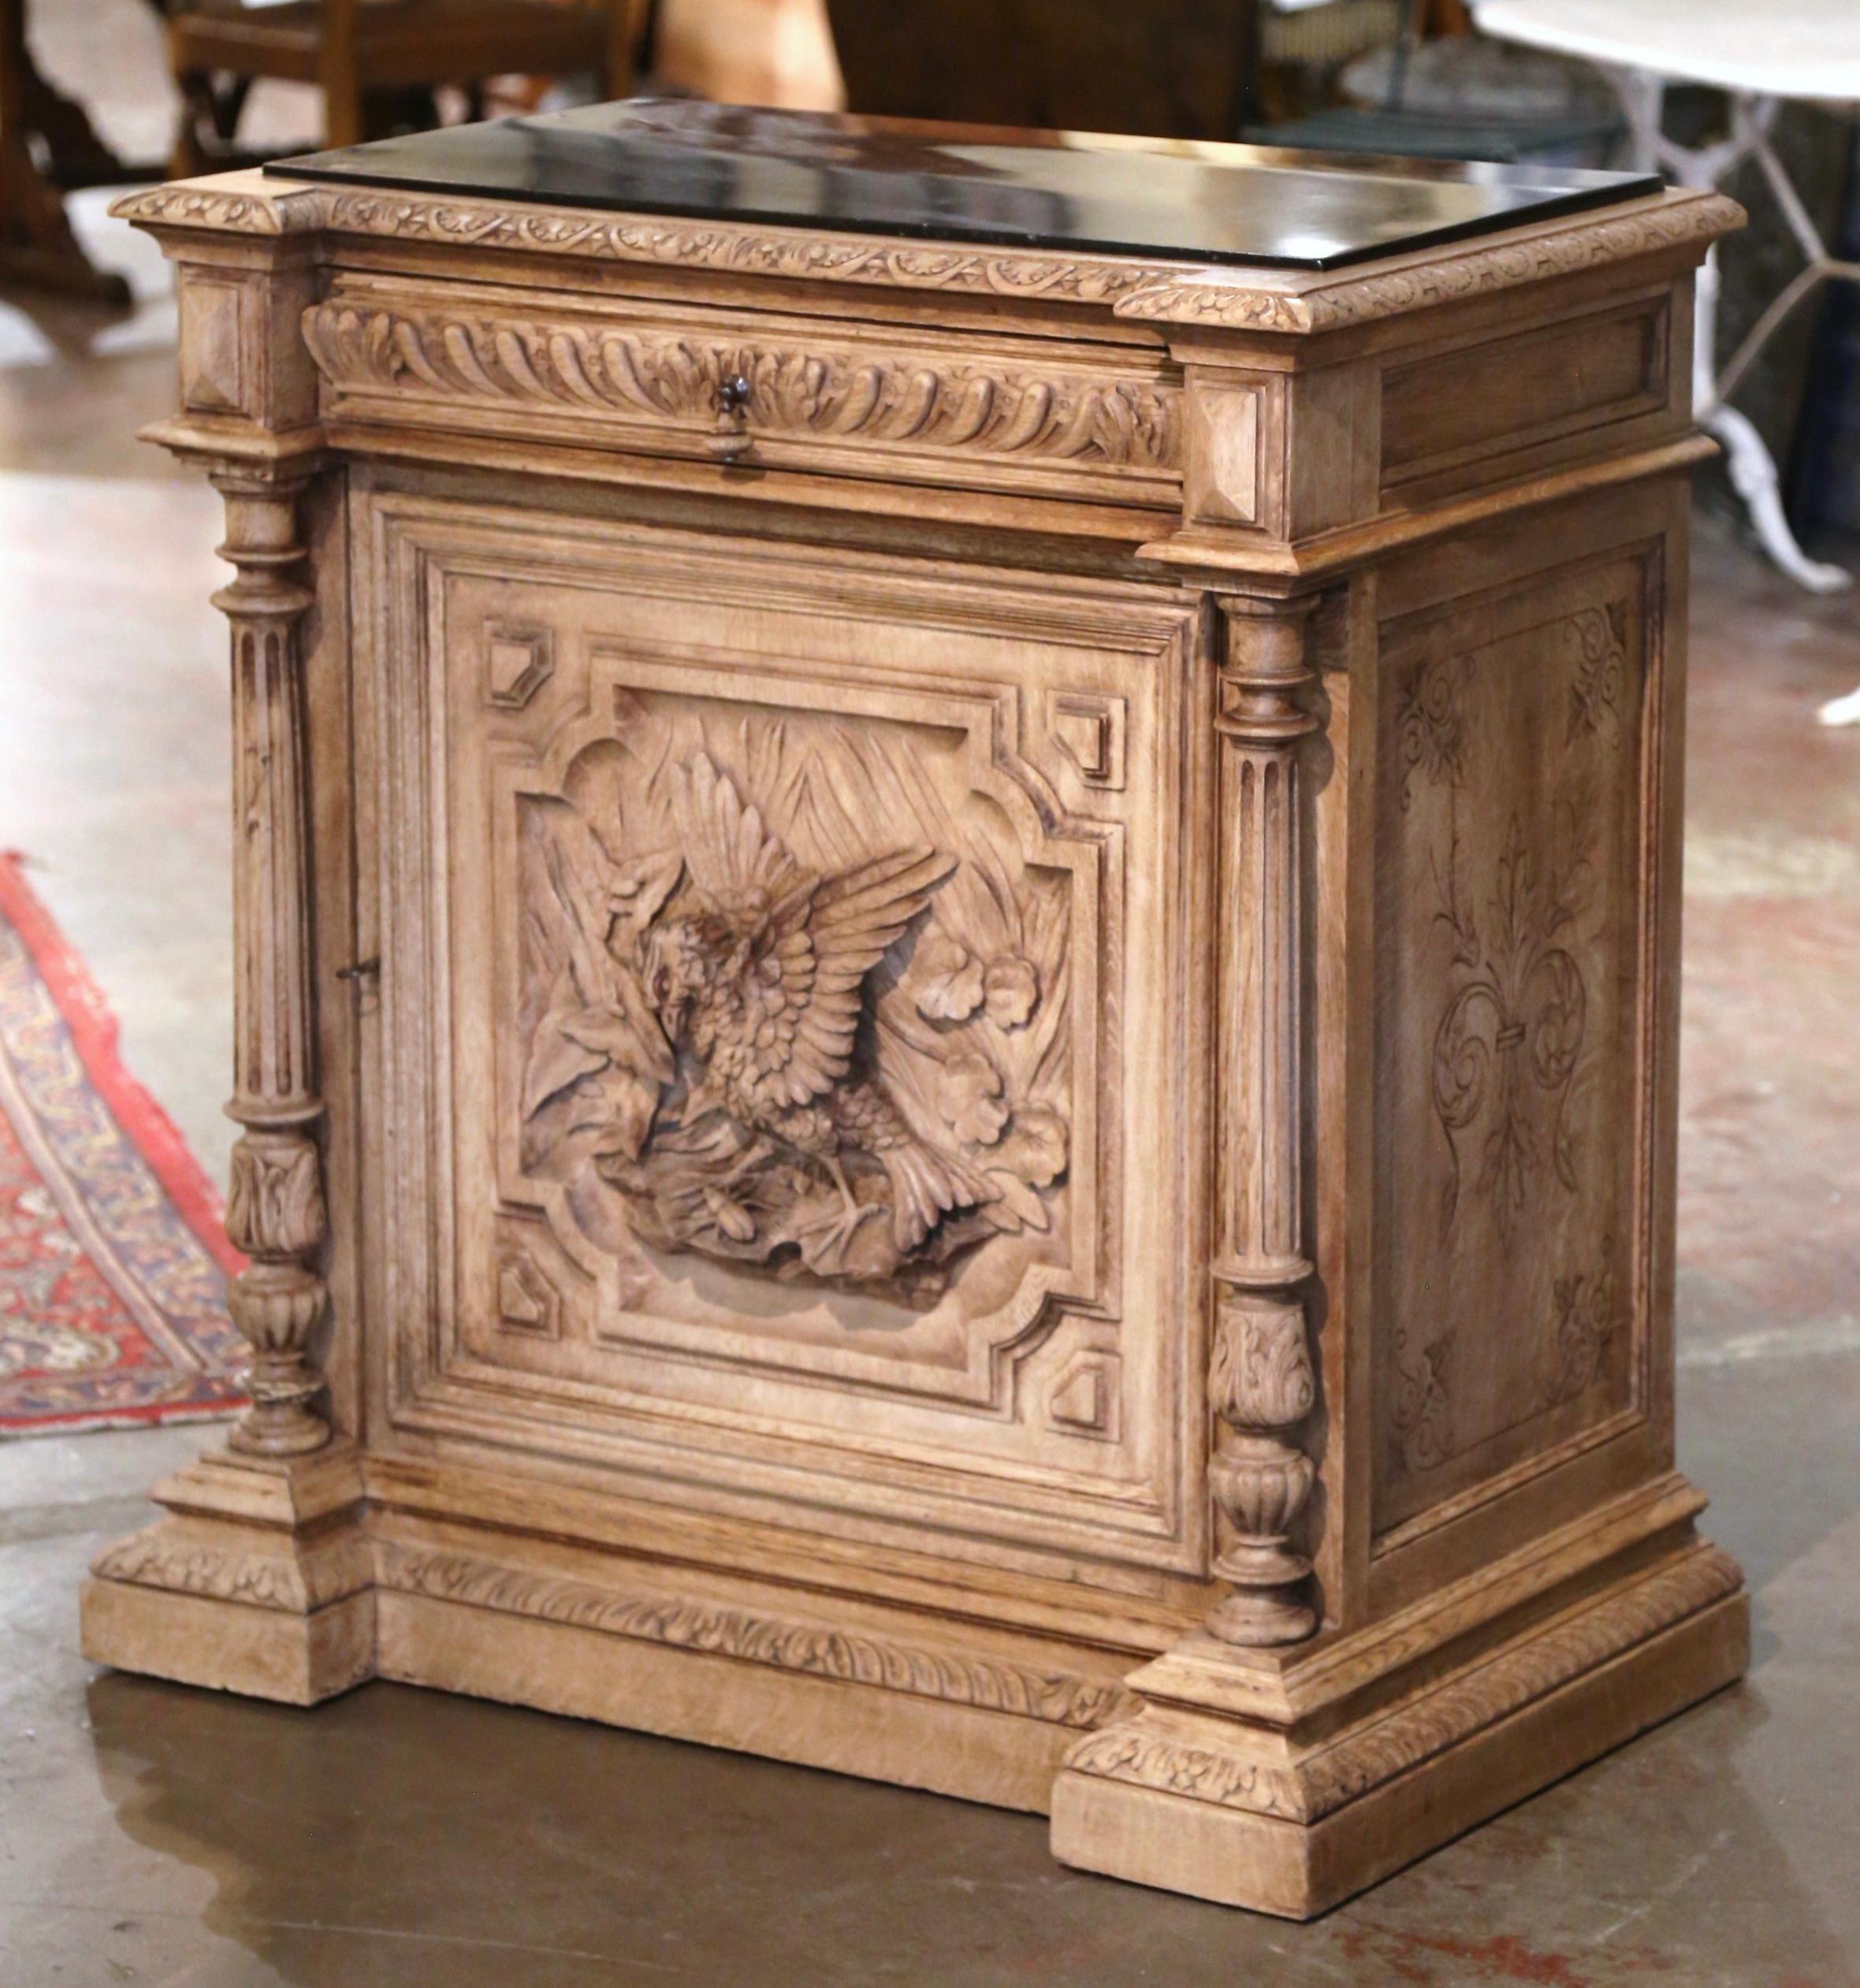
x=730, y=438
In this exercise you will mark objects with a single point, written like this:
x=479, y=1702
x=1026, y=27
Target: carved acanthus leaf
x=275, y=1207
x=582, y=369
x=291, y=1579
x=1060, y=1697
x=1420, y=1728
x=1162, y=292
x=1260, y=1373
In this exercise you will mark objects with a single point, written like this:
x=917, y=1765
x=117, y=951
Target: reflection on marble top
x=1179, y=200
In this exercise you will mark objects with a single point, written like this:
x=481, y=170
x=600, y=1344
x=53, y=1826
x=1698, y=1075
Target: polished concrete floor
x=153, y=1834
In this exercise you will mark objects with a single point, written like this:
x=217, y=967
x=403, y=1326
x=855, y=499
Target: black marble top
x=1178, y=200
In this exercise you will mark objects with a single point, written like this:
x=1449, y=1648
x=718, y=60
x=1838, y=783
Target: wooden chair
x=367, y=55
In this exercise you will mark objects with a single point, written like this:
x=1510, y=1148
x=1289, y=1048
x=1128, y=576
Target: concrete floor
x=153, y=1834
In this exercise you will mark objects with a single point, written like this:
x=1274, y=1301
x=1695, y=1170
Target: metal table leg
x=1753, y=469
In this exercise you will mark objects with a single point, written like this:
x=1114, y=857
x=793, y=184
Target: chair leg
x=625, y=19
x=229, y=105
x=344, y=118
x=340, y=72
x=190, y=157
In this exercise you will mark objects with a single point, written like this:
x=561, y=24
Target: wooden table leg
x=36, y=244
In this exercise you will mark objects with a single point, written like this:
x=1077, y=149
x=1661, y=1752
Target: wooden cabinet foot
x=258, y=1581
x=1197, y=1800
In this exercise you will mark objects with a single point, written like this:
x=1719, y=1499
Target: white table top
x=1777, y=48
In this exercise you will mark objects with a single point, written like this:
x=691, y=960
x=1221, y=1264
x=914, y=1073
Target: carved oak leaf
x=1015, y=1207
x=968, y=1094
x=1011, y=989
x=638, y=890
x=618, y=1107
x=1032, y=1155
x=576, y=1041
x=1035, y=1149
x=557, y=1060
x=946, y=980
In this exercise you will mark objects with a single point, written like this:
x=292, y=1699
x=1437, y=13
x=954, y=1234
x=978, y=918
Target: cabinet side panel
x=1519, y=1267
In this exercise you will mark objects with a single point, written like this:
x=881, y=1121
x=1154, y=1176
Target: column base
x=259, y=1580
x=1243, y=1814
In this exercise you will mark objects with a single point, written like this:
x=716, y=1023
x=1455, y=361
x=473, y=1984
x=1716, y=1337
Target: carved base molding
x=1284, y=1783
x=1198, y=1801
x=259, y=1580
x=879, y=1693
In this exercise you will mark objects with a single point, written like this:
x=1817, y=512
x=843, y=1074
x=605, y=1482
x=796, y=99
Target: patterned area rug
x=112, y=1265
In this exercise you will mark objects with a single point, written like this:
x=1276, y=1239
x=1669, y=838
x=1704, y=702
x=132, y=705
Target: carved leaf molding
x=1361, y=1760
x=1176, y=1766
x=291, y=1583
x=1222, y=298
x=584, y=368
x=717, y=245
x=1059, y=1697
x=1159, y=292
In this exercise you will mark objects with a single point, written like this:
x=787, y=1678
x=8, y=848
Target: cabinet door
x=789, y=1016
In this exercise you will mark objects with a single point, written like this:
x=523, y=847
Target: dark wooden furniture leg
x=36, y=244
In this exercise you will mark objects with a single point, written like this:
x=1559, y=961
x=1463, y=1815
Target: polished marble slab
x=1182, y=199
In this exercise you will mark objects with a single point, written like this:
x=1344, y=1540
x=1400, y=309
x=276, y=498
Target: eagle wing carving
x=806, y=941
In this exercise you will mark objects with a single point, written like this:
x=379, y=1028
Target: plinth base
x=1244, y=1816
x=259, y=1580
x=1283, y=1782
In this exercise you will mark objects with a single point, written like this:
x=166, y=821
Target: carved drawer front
x=1515, y=1251
x=769, y=943
x=753, y=391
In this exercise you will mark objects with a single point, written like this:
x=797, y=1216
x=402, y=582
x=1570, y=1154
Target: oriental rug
x=112, y=1264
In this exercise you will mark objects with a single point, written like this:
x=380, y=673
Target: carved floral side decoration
x=1513, y=1043
x=1588, y=1324
x=784, y=1009
x=1514, y=1026
x=1595, y=641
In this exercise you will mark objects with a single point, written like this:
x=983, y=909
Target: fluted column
x=275, y=1212
x=1260, y=1381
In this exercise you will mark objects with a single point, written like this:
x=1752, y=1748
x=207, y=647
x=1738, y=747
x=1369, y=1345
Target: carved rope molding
x=1158, y=292
x=1363, y=1760
x=583, y=368
x=851, y=1657
x=1261, y=1382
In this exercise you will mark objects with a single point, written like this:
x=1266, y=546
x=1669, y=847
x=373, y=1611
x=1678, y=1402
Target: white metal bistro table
x=1762, y=55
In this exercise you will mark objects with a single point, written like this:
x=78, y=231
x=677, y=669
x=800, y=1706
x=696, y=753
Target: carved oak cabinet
x=956, y=1007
